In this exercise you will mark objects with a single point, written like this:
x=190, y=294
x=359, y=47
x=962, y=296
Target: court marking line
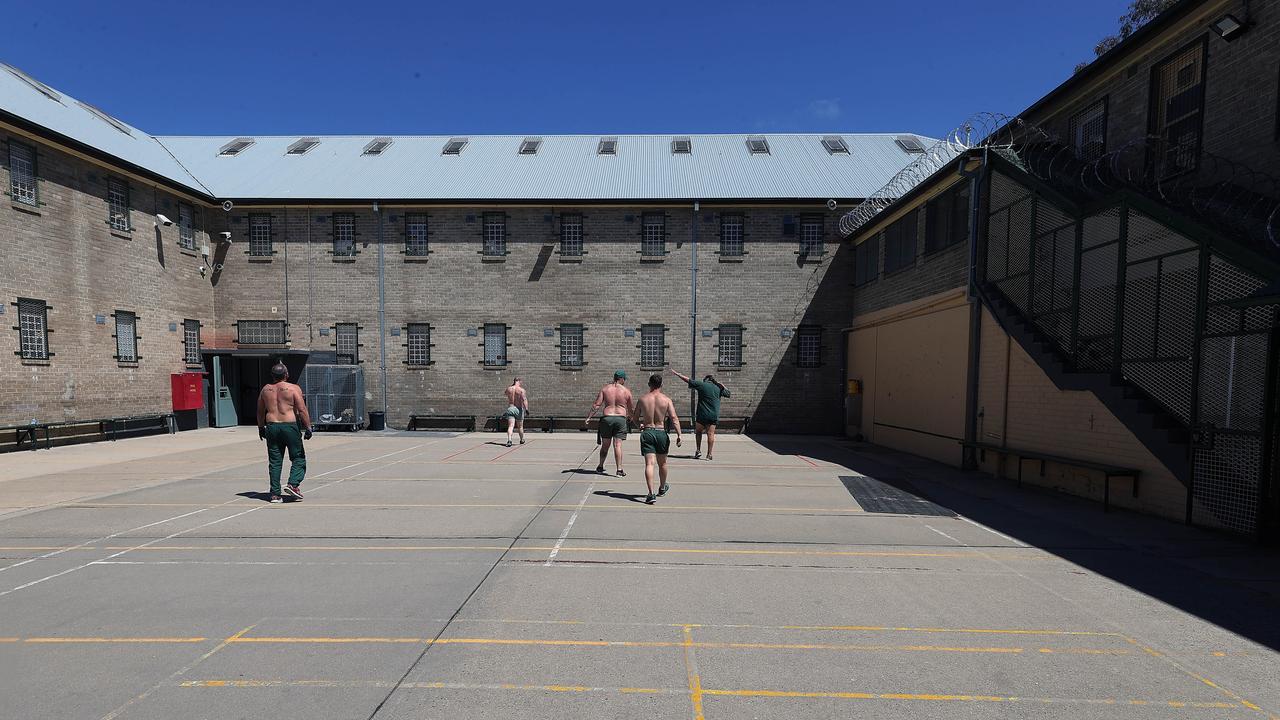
x=108, y=640
x=108, y=537
x=460, y=452
x=555, y=550
x=691, y=672
x=605, y=507
x=997, y=533
x=929, y=697
x=1190, y=673
x=425, y=686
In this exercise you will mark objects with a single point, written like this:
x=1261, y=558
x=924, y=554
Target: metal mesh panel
x=1179, y=279
x=126, y=336
x=335, y=394
x=1148, y=238
x=415, y=235
x=33, y=330
x=1233, y=372
x=1005, y=191
x=22, y=173
x=997, y=245
x=261, y=332
x=652, y=340
x=571, y=346
x=730, y=346
x=191, y=342
x=1054, y=270
x=1087, y=131
x=1095, y=348
x=571, y=235
x=1020, y=236
x=1101, y=228
x=731, y=235
x=1140, y=311
x=1227, y=475
x=1167, y=381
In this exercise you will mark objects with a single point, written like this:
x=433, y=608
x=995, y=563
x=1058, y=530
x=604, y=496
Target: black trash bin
x=377, y=420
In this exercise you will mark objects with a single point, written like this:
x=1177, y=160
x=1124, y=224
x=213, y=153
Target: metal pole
x=693, y=310
x=382, y=312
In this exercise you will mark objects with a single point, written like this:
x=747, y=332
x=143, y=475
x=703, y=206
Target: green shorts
x=513, y=412
x=654, y=440
x=613, y=426
x=705, y=420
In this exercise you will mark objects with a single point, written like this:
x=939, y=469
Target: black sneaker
x=648, y=500
x=621, y=472
x=276, y=499
x=600, y=469
x=662, y=490
x=697, y=454
x=292, y=491
x=508, y=443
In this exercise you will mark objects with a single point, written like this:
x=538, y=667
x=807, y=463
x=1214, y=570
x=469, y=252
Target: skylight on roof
x=681, y=146
x=376, y=146
x=758, y=145
x=835, y=144
x=454, y=146
x=530, y=146
x=302, y=146
x=607, y=146
x=105, y=118
x=909, y=143
x=44, y=89
x=235, y=147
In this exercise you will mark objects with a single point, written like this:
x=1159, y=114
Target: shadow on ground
x=1222, y=579
x=620, y=496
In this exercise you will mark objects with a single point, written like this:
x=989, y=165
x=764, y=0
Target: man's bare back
x=516, y=396
x=653, y=409
x=282, y=402
x=615, y=398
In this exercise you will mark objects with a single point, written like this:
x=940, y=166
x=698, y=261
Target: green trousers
x=281, y=436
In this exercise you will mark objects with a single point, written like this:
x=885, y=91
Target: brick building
x=443, y=267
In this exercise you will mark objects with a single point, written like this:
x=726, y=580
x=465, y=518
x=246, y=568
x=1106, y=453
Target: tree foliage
x=1140, y=13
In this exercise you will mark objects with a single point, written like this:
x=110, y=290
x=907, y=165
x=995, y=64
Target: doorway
x=238, y=377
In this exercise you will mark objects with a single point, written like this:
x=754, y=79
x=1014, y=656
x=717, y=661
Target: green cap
x=619, y=374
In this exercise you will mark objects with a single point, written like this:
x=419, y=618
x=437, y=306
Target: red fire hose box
x=188, y=393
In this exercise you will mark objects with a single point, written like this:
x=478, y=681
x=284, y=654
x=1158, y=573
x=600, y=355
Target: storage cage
x=335, y=396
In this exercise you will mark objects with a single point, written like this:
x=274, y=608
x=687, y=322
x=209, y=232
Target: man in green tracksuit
x=283, y=421
x=704, y=420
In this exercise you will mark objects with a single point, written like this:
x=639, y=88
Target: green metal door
x=224, y=402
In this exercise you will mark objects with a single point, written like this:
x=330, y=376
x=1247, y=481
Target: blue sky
x=398, y=67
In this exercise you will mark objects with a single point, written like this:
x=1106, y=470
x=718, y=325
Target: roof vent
x=530, y=146
x=681, y=146
x=454, y=146
x=909, y=143
x=835, y=144
x=607, y=146
x=44, y=89
x=235, y=147
x=302, y=146
x=376, y=146
x=758, y=145
x=105, y=118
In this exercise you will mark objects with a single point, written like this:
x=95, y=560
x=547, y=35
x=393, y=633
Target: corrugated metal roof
x=565, y=167
x=68, y=117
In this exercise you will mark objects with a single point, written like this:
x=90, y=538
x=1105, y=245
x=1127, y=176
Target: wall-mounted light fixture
x=1228, y=27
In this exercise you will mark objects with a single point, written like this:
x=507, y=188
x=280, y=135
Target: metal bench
x=423, y=421
x=75, y=431
x=1108, y=471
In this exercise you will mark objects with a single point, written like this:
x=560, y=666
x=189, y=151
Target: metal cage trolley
x=335, y=396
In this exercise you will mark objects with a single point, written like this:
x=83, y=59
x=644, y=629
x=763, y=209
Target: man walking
x=652, y=411
x=283, y=421
x=616, y=400
x=708, y=414
x=517, y=408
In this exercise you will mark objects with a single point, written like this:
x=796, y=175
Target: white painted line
x=105, y=537
x=958, y=542
x=974, y=523
x=572, y=519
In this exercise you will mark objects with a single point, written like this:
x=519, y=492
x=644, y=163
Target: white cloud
x=825, y=108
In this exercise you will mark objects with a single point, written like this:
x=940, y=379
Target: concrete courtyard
x=447, y=576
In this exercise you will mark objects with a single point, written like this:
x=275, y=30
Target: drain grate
x=878, y=497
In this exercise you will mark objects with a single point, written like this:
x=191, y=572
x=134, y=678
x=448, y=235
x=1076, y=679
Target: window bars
x=186, y=226
x=571, y=235
x=346, y=341
x=261, y=332
x=415, y=235
x=22, y=173
x=900, y=242
x=809, y=347
x=418, y=344
x=731, y=235
x=653, y=238
x=344, y=235
x=866, y=261
x=811, y=227
x=495, y=235
x=730, y=346
x=118, y=205
x=1087, y=131
x=191, y=343
x=946, y=219
x=495, y=345
x=126, y=336
x=260, y=235
x=1177, y=112
x=653, y=346
x=571, y=346
x=33, y=329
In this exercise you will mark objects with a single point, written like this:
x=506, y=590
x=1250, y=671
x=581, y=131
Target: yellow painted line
x=1243, y=702
x=582, y=643
x=931, y=697
x=691, y=672
x=991, y=631
x=336, y=640
x=455, y=506
x=8, y=640
x=77, y=640
x=801, y=553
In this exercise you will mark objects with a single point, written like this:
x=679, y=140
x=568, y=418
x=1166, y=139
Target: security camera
x=203, y=270
x=226, y=236
x=162, y=220
x=217, y=267
x=227, y=205
x=832, y=205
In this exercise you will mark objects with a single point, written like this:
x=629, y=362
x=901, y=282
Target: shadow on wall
x=810, y=400
x=1152, y=556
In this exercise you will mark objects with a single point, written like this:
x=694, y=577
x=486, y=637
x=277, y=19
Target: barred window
x=191, y=343
x=344, y=235
x=118, y=205
x=262, y=332
x=809, y=347
x=33, y=329
x=571, y=235
x=571, y=346
x=866, y=261
x=1177, y=111
x=1087, y=130
x=186, y=226
x=653, y=239
x=126, y=336
x=418, y=344
x=260, y=235
x=495, y=235
x=415, y=235
x=811, y=231
x=22, y=173
x=900, y=243
x=731, y=235
x=346, y=341
x=495, y=345
x=653, y=346
x=946, y=219
x=730, y=346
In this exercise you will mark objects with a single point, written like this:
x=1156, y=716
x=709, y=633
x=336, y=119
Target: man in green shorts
x=709, y=393
x=283, y=421
x=616, y=400
x=653, y=410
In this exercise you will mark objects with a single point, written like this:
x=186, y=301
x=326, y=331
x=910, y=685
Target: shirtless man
x=616, y=400
x=652, y=411
x=704, y=420
x=283, y=421
x=517, y=408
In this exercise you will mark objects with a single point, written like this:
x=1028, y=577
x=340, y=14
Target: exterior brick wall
x=930, y=273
